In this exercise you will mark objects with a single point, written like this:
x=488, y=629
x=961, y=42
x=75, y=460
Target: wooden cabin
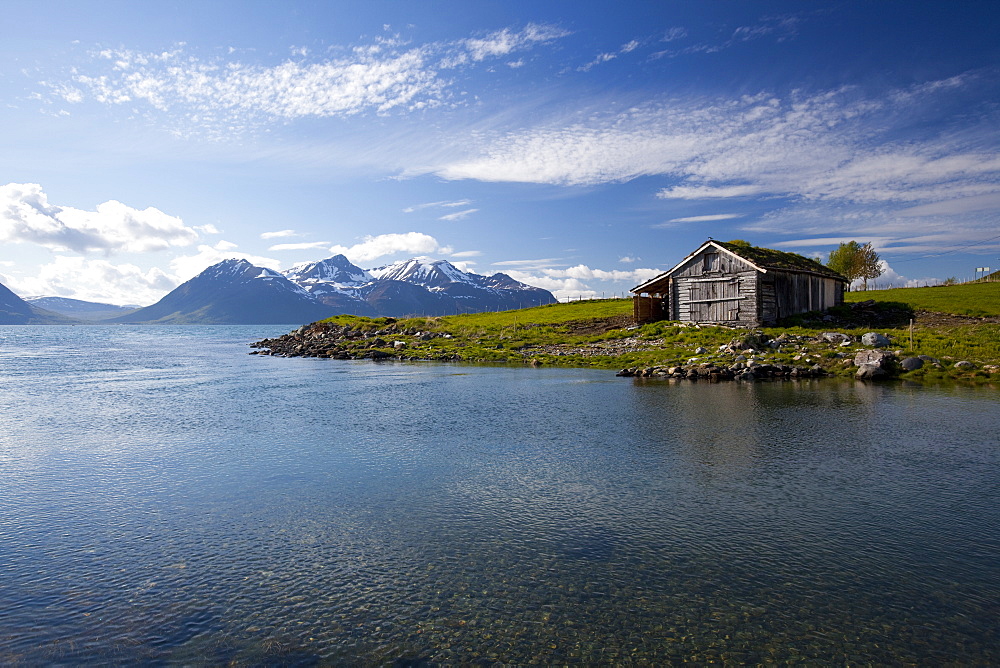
x=740, y=285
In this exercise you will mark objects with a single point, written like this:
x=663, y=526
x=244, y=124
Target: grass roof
x=768, y=258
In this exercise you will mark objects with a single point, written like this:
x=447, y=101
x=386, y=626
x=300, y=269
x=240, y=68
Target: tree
x=853, y=261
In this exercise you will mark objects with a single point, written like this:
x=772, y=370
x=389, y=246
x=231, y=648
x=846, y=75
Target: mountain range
x=238, y=292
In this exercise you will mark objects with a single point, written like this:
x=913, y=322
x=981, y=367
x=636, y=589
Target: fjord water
x=166, y=498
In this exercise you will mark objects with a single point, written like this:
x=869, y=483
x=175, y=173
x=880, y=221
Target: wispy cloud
x=706, y=219
x=836, y=149
x=605, y=57
x=27, y=216
x=300, y=246
x=223, y=94
x=280, y=234
x=777, y=28
x=432, y=205
x=458, y=215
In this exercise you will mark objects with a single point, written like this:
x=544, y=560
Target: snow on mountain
x=233, y=292
x=335, y=274
x=423, y=271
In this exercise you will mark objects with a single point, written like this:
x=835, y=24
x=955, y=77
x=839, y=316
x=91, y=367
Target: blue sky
x=579, y=146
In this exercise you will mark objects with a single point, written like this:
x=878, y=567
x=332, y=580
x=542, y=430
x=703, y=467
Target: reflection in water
x=192, y=504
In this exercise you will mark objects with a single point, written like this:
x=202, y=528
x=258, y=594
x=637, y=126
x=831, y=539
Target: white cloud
x=26, y=216
x=605, y=57
x=843, y=154
x=431, y=205
x=95, y=280
x=471, y=253
x=280, y=234
x=458, y=215
x=706, y=219
x=578, y=281
x=628, y=259
x=506, y=41
x=674, y=34
x=373, y=247
x=302, y=246
x=223, y=95
x=224, y=245
x=709, y=192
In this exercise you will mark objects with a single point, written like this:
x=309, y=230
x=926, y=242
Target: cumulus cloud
x=577, y=281
x=373, y=247
x=228, y=95
x=95, y=280
x=186, y=267
x=26, y=216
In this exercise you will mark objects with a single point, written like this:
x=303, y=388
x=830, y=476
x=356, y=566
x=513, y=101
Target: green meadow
x=948, y=326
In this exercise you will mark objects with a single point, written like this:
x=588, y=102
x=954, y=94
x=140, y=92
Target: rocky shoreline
x=343, y=342
x=750, y=357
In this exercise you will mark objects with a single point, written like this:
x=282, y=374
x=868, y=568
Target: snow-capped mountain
x=423, y=271
x=237, y=292
x=334, y=282
x=419, y=286
x=336, y=272
x=233, y=292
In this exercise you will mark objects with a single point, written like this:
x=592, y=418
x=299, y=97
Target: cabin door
x=715, y=300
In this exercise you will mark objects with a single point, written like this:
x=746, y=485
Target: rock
x=870, y=372
x=700, y=350
x=835, y=337
x=912, y=363
x=964, y=365
x=398, y=345
x=874, y=340
x=879, y=358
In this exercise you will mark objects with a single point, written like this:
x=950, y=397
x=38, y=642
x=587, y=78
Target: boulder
x=870, y=372
x=879, y=358
x=912, y=363
x=835, y=337
x=964, y=365
x=874, y=340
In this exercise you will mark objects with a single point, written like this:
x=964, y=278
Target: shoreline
x=712, y=354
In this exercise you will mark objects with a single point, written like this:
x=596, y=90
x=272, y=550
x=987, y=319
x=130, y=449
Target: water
x=166, y=498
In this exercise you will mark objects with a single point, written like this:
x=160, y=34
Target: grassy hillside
x=973, y=299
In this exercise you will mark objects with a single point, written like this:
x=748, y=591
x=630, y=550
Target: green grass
x=973, y=299
x=565, y=335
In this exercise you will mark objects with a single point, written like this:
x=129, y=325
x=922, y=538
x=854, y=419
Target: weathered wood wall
x=715, y=287
x=786, y=293
x=648, y=309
